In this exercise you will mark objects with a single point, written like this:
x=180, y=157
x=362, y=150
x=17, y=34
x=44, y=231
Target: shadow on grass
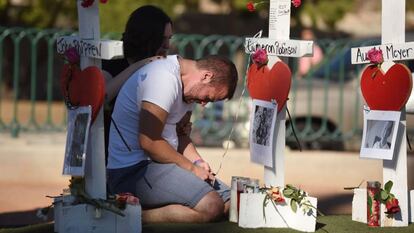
x=22, y=218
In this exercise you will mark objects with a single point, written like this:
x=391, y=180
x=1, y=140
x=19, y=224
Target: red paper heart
x=265, y=84
x=82, y=88
x=389, y=91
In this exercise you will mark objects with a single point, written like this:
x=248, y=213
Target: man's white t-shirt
x=159, y=82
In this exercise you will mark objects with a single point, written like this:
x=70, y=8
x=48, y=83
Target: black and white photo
x=380, y=133
x=262, y=125
x=79, y=120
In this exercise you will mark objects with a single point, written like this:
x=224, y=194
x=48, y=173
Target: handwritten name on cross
x=394, y=48
x=393, y=43
x=278, y=45
x=101, y=49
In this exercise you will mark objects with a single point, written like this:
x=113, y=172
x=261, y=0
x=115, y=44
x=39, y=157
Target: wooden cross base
x=279, y=216
x=86, y=218
x=359, y=208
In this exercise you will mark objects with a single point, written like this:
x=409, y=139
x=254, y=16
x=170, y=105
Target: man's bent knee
x=210, y=207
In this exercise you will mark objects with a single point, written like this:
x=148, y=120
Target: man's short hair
x=224, y=70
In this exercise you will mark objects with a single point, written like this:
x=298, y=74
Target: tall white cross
x=84, y=217
x=279, y=45
x=92, y=50
x=394, y=48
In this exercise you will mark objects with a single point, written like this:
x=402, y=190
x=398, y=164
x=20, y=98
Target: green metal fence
x=325, y=104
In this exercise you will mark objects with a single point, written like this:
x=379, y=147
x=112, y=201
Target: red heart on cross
x=267, y=84
x=82, y=88
x=389, y=91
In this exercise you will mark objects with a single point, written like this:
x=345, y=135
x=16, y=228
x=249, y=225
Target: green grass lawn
x=331, y=224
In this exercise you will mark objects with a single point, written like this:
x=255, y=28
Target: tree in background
x=114, y=14
x=38, y=13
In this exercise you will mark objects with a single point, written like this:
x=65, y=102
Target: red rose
x=87, y=3
x=375, y=56
x=126, y=198
x=260, y=57
x=276, y=195
x=72, y=56
x=103, y=1
x=296, y=3
x=250, y=6
x=392, y=206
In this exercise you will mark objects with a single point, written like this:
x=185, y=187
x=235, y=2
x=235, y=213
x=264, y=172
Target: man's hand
x=202, y=173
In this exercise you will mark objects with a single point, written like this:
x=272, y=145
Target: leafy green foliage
x=333, y=11
x=388, y=186
x=114, y=14
x=385, y=194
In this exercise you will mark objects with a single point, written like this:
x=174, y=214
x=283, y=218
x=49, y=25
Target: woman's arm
x=113, y=85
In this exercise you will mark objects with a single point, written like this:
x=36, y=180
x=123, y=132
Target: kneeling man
x=149, y=159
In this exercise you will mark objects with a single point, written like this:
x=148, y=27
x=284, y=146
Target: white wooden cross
x=279, y=45
x=83, y=217
x=394, y=48
x=92, y=50
x=251, y=205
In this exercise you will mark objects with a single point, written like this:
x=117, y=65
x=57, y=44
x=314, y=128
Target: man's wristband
x=197, y=161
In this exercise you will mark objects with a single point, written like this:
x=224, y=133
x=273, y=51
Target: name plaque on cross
x=391, y=52
x=101, y=49
x=283, y=48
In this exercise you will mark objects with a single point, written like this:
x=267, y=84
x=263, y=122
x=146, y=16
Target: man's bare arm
x=152, y=121
x=185, y=144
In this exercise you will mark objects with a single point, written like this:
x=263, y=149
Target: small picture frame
x=262, y=125
x=380, y=134
x=79, y=120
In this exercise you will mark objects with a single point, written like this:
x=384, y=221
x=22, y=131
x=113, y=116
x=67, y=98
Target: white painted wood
x=284, y=48
x=233, y=213
x=359, y=205
x=409, y=106
x=84, y=218
x=396, y=170
x=412, y=206
x=81, y=218
x=275, y=175
x=279, y=19
x=393, y=21
x=281, y=216
x=95, y=177
x=102, y=49
x=393, y=31
x=279, y=29
x=391, y=52
x=95, y=172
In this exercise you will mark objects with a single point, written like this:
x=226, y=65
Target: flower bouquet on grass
x=298, y=199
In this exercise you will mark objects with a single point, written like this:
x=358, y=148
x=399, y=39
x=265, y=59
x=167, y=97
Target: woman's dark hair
x=144, y=32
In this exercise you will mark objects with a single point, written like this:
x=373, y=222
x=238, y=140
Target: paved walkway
x=31, y=168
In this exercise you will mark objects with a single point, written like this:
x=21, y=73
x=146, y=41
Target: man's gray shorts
x=158, y=184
